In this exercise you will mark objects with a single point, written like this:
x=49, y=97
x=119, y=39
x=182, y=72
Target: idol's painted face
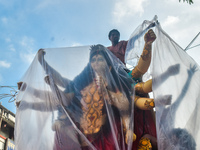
x=98, y=63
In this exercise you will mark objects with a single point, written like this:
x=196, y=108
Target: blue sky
x=27, y=26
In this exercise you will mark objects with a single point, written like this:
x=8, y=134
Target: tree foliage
x=188, y=1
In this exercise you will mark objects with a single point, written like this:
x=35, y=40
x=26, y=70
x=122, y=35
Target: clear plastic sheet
x=177, y=75
x=75, y=98
x=57, y=100
x=176, y=87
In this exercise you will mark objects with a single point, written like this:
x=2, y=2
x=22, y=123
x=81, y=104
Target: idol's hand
x=165, y=99
x=21, y=86
x=41, y=54
x=119, y=100
x=174, y=69
x=47, y=80
x=23, y=105
x=130, y=136
x=18, y=103
x=192, y=69
x=149, y=37
x=149, y=104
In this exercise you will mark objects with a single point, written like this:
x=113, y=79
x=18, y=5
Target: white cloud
x=4, y=20
x=27, y=53
x=27, y=57
x=171, y=21
x=182, y=28
x=126, y=9
x=46, y=3
x=76, y=44
x=27, y=41
x=8, y=40
x=5, y=64
x=12, y=48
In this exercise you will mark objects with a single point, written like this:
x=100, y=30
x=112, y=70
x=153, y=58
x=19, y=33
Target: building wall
x=7, y=123
x=2, y=143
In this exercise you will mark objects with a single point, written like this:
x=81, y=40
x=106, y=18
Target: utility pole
x=188, y=47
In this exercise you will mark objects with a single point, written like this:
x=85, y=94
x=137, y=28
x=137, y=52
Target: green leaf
x=188, y=1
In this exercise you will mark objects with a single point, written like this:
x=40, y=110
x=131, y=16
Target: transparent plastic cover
x=81, y=97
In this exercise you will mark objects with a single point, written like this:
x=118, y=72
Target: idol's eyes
x=100, y=59
x=93, y=60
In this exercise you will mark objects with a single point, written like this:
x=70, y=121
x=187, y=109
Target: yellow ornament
x=144, y=144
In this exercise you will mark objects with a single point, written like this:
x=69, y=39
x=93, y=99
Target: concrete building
x=7, y=123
